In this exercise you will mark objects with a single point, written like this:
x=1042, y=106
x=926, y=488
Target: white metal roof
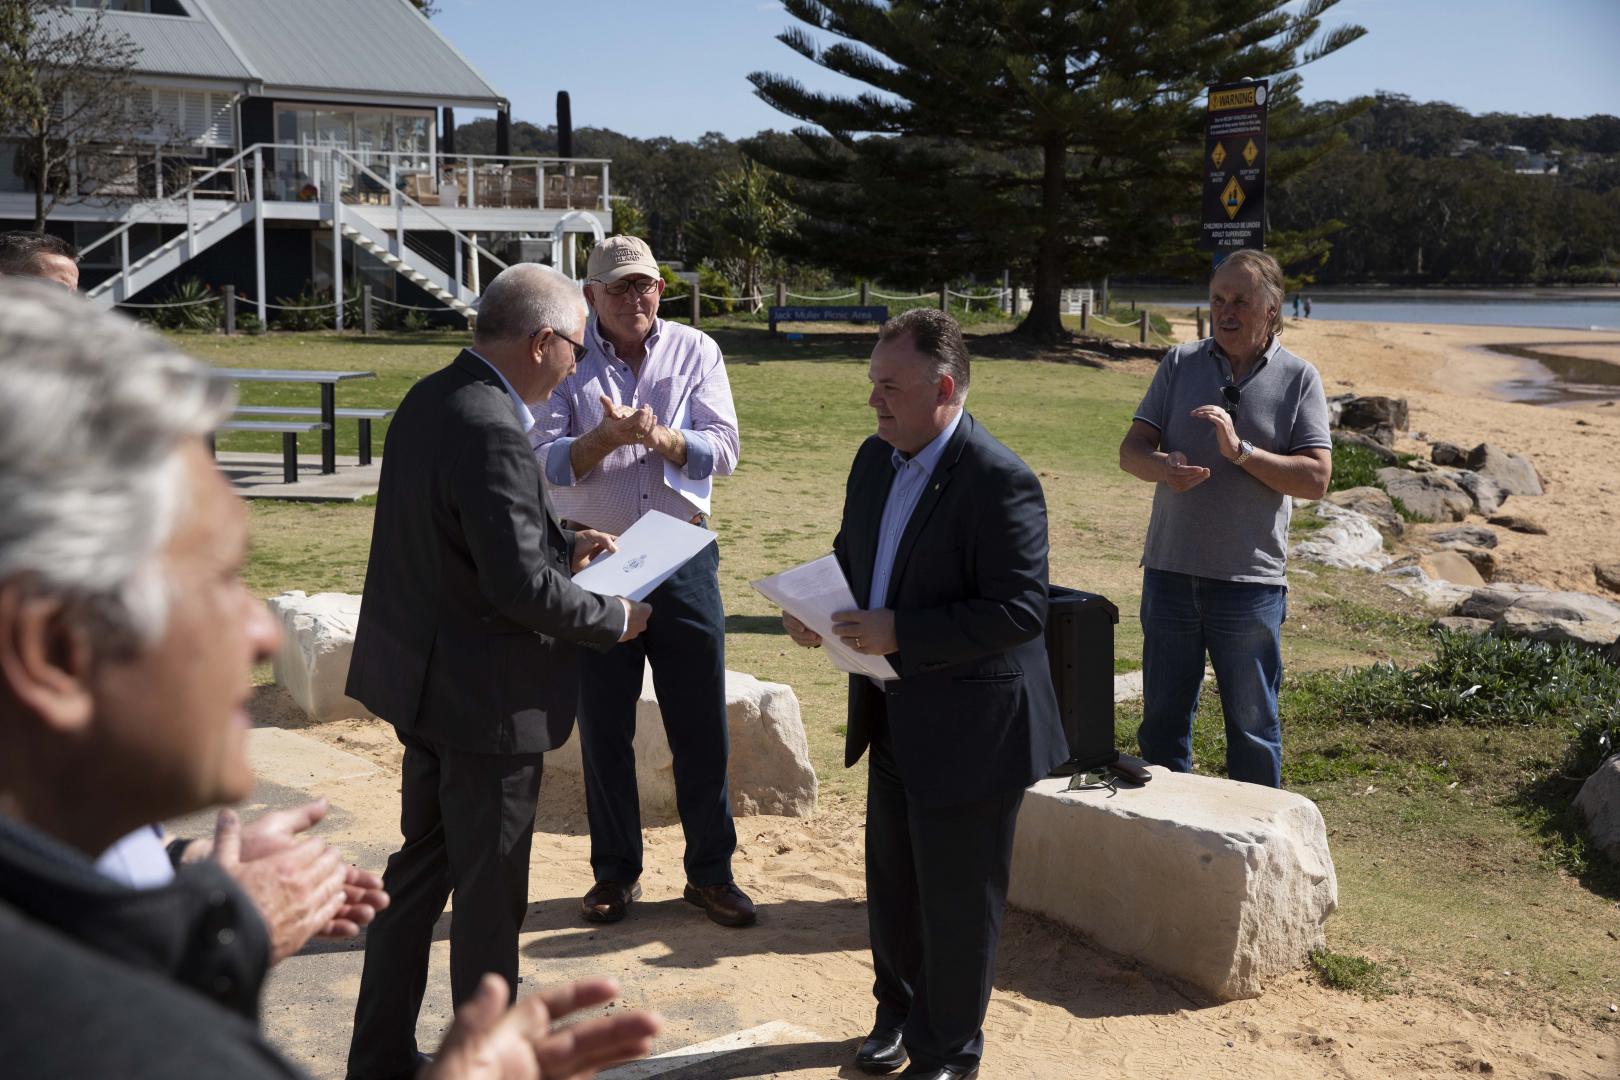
x=348, y=47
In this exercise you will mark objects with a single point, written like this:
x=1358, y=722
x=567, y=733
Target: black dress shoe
x=609, y=900
x=724, y=903
x=880, y=1052
x=939, y=1072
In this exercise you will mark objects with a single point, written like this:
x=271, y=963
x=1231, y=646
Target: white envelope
x=696, y=492
x=650, y=551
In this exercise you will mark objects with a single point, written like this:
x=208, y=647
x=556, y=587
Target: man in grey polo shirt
x=1232, y=429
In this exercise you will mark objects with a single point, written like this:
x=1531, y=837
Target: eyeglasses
x=580, y=348
x=1232, y=395
x=643, y=286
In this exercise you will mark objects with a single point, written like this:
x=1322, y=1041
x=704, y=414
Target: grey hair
x=526, y=297
x=93, y=415
x=939, y=337
x=1269, y=271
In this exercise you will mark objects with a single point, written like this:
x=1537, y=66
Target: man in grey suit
x=466, y=644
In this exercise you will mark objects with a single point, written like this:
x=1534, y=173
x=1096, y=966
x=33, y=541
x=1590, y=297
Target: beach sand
x=1060, y=1007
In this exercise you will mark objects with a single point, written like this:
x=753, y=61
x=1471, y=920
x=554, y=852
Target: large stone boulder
x=1608, y=575
x=1451, y=566
x=1349, y=540
x=1599, y=803
x=1444, y=453
x=1488, y=497
x=1540, y=614
x=1371, y=503
x=1431, y=496
x=1517, y=622
x=1456, y=624
x=317, y=640
x=1513, y=473
x=1464, y=536
x=1219, y=883
x=1378, y=416
x=770, y=768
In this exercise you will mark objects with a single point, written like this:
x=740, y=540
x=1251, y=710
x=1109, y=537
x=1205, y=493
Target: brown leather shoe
x=725, y=904
x=609, y=900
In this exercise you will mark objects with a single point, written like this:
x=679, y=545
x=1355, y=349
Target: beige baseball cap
x=620, y=256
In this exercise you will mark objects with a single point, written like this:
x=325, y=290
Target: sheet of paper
x=811, y=593
x=650, y=551
x=696, y=492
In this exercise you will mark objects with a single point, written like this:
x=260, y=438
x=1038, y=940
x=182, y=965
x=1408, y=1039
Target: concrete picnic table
x=327, y=380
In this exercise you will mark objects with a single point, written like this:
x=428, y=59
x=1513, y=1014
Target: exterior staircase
x=413, y=267
x=172, y=255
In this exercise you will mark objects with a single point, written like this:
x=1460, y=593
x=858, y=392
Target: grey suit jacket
x=469, y=619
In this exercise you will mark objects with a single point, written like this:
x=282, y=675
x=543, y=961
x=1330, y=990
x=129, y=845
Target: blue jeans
x=1239, y=623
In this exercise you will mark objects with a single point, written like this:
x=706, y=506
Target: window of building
x=380, y=139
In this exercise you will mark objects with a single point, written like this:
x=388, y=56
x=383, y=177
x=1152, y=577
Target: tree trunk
x=1045, y=319
x=41, y=176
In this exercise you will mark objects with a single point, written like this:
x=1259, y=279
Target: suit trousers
x=468, y=823
x=936, y=885
x=685, y=643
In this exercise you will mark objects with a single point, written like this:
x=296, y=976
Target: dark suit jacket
x=973, y=713
x=469, y=619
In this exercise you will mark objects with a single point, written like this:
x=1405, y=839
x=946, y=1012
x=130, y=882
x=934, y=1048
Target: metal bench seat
x=365, y=416
x=289, y=430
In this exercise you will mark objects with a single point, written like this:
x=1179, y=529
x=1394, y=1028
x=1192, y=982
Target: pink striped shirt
x=683, y=380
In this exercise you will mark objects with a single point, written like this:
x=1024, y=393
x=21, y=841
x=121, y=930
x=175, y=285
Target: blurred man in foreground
x=126, y=643
x=40, y=255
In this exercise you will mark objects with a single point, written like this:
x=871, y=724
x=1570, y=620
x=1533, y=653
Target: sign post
x=1235, y=168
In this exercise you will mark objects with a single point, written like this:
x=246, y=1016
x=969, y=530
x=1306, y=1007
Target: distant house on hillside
x=301, y=141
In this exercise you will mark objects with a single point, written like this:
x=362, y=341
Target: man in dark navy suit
x=944, y=538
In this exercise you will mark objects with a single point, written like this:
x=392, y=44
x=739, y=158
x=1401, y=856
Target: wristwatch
x=1245, y=448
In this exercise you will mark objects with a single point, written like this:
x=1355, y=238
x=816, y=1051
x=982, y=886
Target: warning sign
x=1234, y=199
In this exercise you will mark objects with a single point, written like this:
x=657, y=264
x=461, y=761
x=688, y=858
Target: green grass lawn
x=1444, y=879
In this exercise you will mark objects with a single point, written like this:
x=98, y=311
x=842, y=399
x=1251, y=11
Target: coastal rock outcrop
x=1444, y=453
x=1464, y=535
x=1450, y=566
x=1383, y=453
x=1608, y=575
x=1431, y=496
x=1349, y=540
x=1540, y=614
x=1599, y=804
x=1372, y=503
x=1379, y=417
x=1486, y=493
x=1513, y=473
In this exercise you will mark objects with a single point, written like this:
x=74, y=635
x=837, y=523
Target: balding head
x=527, y=297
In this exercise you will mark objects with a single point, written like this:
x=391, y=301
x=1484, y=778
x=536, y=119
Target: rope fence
x=176, y=303
x=409, y=307
x=895, y=296
x=821, y=299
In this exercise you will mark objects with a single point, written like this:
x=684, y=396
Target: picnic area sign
x=1235, y=168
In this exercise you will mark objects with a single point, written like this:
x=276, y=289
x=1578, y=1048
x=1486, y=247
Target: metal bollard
x=229, y=293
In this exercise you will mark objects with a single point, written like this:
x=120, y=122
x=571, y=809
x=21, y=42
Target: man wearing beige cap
x=645, y=423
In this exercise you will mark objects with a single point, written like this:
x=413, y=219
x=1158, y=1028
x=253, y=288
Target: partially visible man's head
x=919, y=374
x=529, y=318
x=127, y=637
x=624, y=286
x=40, y=255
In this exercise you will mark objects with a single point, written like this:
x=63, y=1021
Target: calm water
x=1480, y=309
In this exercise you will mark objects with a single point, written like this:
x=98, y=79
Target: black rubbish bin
x=1080, y=649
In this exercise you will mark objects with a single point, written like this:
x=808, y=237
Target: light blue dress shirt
x=524, y=417
x=910, y=479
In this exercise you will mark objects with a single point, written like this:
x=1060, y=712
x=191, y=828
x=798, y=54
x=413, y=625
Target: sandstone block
x=1608, y=575
x=1492, y=602
x=317, y=640
x=1482, y=560
x=770, y=770
x=1599, y=803
x=1518, y=622
x=1219, y=883
x=1513, y=473
x=1430, y=496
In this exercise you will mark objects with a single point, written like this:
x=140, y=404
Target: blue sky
x=680, y=69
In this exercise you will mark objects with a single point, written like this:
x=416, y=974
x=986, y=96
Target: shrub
x=311, y=309
x=201, y=310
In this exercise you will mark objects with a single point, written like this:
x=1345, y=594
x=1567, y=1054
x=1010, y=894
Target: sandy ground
x=1060, y=1007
